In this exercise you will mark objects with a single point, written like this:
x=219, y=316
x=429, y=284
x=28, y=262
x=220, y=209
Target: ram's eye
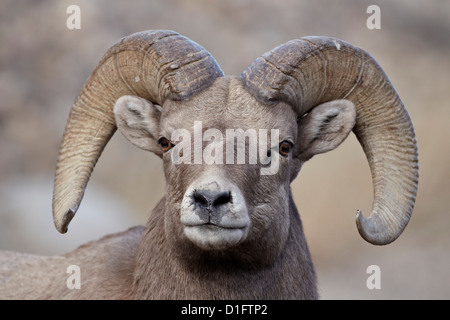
x=165, y=144
x=285, y=148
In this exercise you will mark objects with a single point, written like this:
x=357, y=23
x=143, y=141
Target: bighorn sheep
x=221, y=230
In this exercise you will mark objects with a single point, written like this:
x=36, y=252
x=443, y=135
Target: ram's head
x=232, y=145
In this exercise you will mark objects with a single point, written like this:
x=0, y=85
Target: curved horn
x=313, y=70
x=155, y=65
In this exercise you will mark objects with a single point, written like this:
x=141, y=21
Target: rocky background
x=43, y=66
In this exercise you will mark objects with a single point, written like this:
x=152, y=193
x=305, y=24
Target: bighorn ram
x=221, y=230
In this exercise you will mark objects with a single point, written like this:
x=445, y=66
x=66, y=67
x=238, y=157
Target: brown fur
x=121, y=266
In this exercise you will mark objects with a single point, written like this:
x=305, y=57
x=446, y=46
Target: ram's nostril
x=222, y=198
x=200, y=199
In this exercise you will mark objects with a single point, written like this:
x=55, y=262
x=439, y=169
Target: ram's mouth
x=210, y=236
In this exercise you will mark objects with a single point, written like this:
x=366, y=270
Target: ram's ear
x=324, y=128
x=138, y=120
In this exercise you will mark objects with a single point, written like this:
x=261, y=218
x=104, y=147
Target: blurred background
x=43, y=66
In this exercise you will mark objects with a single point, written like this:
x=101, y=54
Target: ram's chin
x=213, y=237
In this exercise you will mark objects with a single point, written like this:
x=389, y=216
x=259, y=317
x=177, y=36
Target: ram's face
x=228, y=161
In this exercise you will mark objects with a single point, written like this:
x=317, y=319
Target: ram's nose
x=214, y=214
x=211, y=199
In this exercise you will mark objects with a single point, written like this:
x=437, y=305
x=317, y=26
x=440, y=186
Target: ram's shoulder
x=105, y=265
x=125, y=242
x=26, y=276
